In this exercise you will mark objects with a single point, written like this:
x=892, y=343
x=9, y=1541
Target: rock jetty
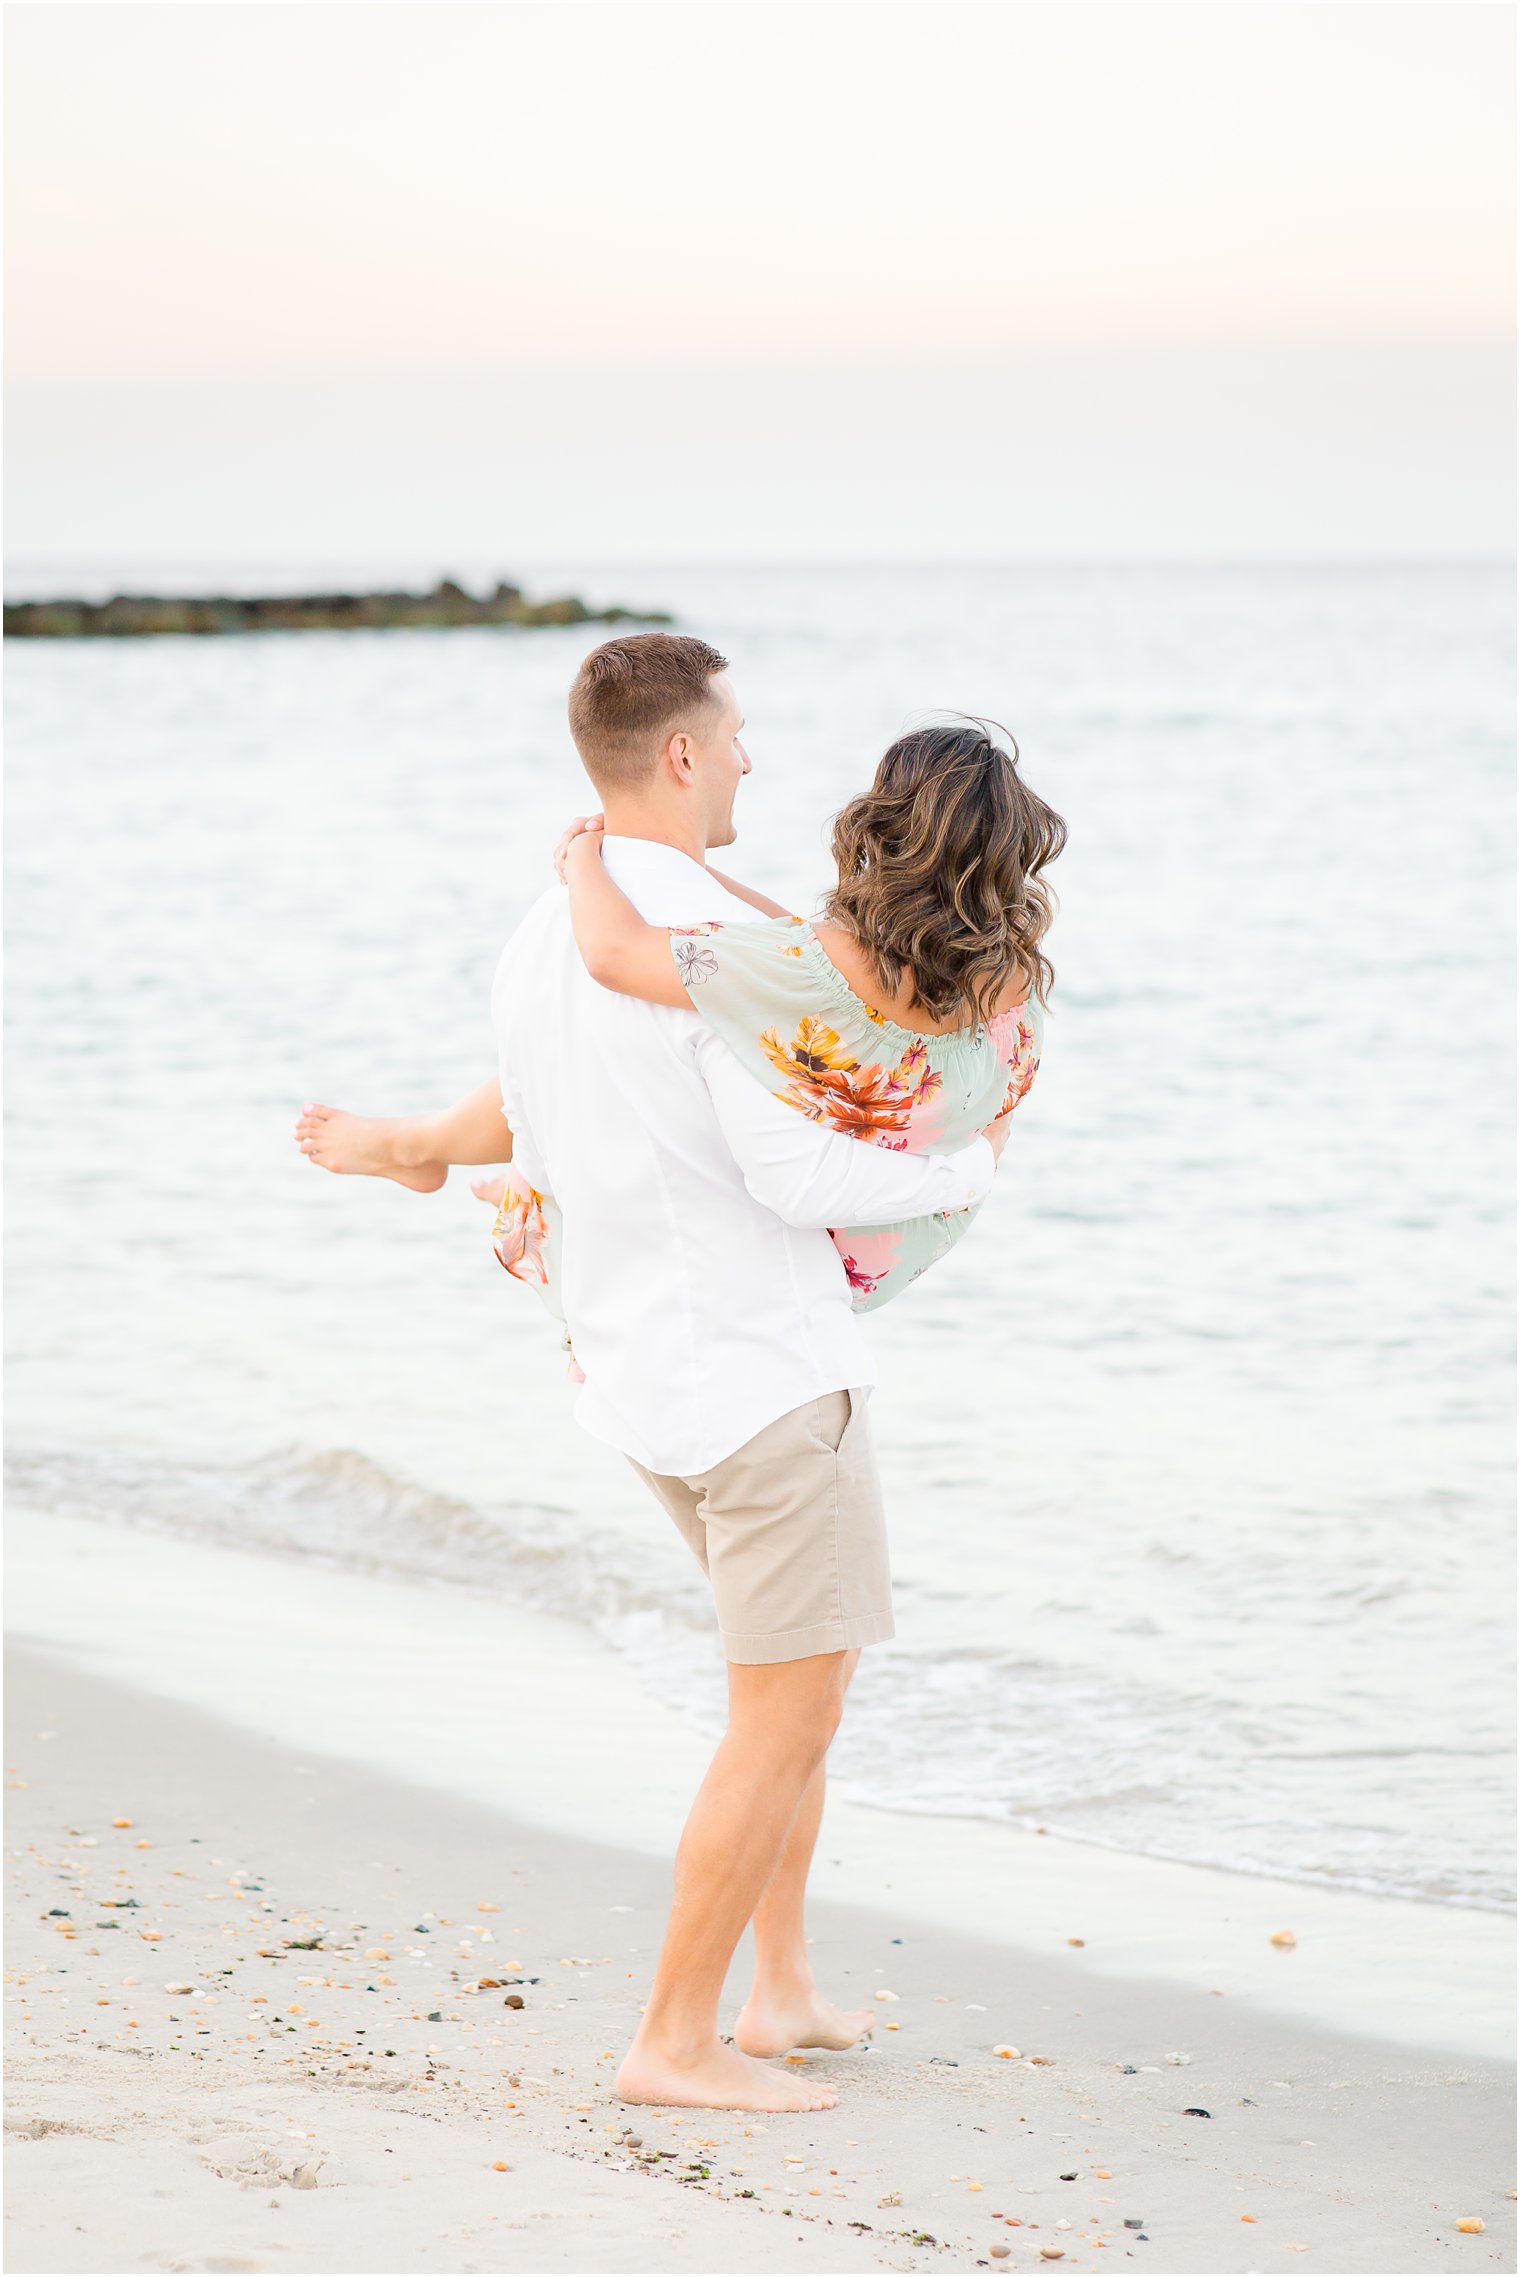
x=131, y=616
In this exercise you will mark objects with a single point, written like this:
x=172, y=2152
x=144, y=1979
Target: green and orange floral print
x=829, y=1085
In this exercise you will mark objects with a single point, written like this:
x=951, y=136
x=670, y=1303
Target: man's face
x=719, y=761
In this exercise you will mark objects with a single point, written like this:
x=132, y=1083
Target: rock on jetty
x=132, y=615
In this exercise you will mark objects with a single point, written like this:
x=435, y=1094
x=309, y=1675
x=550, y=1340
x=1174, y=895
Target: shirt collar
x=652, y=858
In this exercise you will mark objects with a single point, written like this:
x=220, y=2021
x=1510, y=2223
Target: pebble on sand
x=1284, y=1937
x=1005, y=2052
x=1472, y=2223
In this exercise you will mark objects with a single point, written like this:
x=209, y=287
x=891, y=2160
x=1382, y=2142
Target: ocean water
x=1197, y=1453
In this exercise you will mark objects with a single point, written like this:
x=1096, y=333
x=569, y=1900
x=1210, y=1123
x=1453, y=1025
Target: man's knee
x=793, y=1704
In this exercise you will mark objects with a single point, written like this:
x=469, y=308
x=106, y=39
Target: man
x=711, y=1316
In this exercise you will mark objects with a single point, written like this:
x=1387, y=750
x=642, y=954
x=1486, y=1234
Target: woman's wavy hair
x=939, y=870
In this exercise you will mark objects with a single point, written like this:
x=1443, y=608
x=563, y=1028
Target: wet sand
x=339, y=2090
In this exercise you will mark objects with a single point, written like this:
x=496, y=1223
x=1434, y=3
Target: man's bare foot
x=770, y=2027
x=721, y=2079
x=370, y=1146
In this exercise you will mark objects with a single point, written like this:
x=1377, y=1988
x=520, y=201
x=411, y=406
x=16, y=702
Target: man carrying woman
x=728, y=1132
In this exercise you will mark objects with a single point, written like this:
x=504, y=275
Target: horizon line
x=468, y=559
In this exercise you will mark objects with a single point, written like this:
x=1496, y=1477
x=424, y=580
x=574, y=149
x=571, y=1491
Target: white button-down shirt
x=701, y=1291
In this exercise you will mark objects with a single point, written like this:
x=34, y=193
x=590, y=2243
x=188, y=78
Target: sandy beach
x=263, y=1996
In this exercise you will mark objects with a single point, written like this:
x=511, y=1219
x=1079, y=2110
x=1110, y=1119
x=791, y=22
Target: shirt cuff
x=976, y=1168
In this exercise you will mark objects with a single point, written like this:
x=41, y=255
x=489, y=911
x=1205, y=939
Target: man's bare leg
x=785, y=2009
x=781, y=1719
x=415, y=1150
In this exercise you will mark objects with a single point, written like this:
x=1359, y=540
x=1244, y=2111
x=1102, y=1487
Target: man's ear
x=678, y=757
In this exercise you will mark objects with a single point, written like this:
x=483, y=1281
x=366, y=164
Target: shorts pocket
x=832, y=1416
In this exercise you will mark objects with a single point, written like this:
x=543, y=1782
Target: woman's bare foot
x=370, y=1146
x=770, y=2027
x=721, y=2079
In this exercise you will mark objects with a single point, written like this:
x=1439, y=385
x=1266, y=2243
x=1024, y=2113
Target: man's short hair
x=630, y=696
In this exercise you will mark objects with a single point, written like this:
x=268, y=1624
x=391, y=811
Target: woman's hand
x=581, y=850
x=583, y=825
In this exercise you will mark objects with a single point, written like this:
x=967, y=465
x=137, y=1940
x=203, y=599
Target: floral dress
x=773, y=994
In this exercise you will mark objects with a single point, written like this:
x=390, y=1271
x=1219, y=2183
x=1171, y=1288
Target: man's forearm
x=833, y=1188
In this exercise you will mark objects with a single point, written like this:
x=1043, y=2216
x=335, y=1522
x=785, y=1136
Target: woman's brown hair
x=939, y=870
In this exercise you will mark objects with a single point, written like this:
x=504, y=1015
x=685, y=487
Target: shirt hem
x=683, y=1465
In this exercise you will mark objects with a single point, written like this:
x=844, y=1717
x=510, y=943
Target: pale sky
x=317, y=277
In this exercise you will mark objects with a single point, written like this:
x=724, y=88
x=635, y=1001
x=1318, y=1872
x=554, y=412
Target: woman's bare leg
x=415, y=1150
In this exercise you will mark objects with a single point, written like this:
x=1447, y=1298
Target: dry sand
x=335, y=2093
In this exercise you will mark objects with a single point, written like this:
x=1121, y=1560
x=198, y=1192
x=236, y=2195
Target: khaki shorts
x=791, y=1533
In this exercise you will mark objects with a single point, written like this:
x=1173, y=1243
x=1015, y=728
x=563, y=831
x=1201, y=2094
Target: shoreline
x=418, y=1681
x=331, y=2080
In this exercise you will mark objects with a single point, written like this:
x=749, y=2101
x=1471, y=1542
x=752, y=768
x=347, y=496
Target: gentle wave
x=1015, y=1737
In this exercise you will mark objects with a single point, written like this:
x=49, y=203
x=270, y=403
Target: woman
x=909, y=1015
